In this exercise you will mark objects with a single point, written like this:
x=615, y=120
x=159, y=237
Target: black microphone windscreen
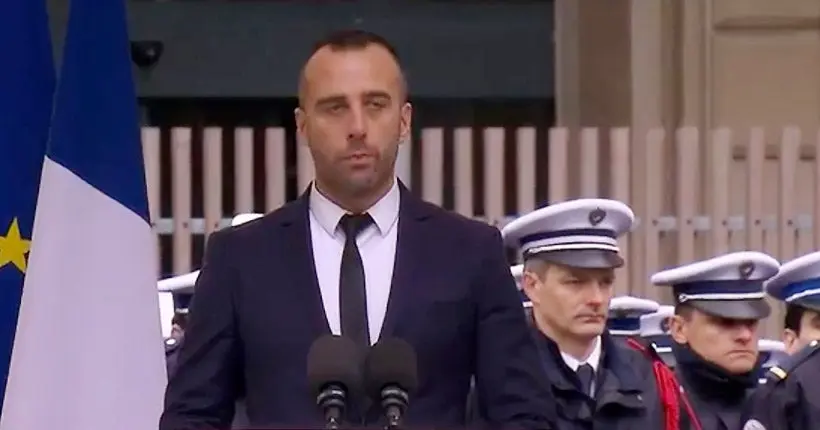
x=391, y=361
x=334, y=360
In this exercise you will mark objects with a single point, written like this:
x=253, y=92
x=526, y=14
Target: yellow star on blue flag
x=13, y=248
x=27, y=88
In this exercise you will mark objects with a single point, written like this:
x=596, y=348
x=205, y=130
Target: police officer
x=625, y=314
x=655, y=331
x=570, y=254
x=790, y=398
x=718, y=305
x=797, y=287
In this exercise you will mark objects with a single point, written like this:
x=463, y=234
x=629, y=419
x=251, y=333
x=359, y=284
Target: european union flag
x=26, y=91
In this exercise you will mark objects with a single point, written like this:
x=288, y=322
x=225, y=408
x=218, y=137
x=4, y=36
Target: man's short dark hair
x=350, y=39
x=684, y=310
x=794, y=314
x=354, y=39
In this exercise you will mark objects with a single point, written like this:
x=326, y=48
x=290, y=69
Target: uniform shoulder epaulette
x=781, y=370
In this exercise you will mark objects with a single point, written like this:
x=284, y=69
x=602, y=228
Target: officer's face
x=177, y=331
x=809, y=331
x=353, y=115
x=571, y=302
x=728, y=343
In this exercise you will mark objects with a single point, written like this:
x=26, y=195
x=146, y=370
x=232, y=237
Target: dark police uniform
x=731, y=287
x=790, y=398
x=615, y=388
x=716, y=396
x=625, y=397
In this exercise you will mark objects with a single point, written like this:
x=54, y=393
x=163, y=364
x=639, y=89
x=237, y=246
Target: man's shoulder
x=633, y=353
x=458, y=224
x=252, y=230
x=804, y=362
x=639, y=358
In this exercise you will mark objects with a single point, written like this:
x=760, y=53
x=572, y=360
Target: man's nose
x=357, y=125
x=745, y=332
x=596, y=296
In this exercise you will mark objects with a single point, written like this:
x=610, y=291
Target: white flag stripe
x=88, y=352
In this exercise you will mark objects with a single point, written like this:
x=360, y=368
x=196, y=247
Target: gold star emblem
x=13, y=248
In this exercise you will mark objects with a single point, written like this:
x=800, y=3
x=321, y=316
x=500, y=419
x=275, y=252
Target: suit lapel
x=408, y=261
x=295, y=238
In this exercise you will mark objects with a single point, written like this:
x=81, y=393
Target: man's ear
x=679, y=329
x=531, y=285
x=406, y=121
x=791, y=340
x=299, y=117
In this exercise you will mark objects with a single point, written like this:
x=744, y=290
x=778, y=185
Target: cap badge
x=746, y=269
x=597, y=216
x=665, y=324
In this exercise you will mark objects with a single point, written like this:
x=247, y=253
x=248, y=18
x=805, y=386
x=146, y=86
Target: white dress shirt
x=593, y=359
x=377, y=246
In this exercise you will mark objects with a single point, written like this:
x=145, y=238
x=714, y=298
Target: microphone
x=391, y=375
x=334, y=373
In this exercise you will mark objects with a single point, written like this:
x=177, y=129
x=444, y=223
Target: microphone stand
x=332, y=423
x=393, y=418
x=332, y=401
x=394, y=401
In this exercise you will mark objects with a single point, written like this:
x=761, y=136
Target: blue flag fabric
x=26, y=91
x=95, y=131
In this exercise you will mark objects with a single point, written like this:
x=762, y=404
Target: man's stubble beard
x=354, y=187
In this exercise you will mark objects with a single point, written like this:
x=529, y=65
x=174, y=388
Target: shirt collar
x=593, y=359
x=384, y=213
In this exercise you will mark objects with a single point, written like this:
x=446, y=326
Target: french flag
x=88, y=350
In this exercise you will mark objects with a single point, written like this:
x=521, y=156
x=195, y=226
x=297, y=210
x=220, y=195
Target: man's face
x=353, y=115
x=809, y=331
x=177, y=332
x=728, y=343
x=572, y=302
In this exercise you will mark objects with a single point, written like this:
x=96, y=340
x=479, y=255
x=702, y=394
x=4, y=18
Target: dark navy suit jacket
x=257, y=309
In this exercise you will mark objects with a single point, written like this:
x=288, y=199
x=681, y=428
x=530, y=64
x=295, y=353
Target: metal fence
x=697, y=193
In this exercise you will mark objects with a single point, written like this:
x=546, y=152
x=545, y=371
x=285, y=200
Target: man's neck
x=580, y=349
x=355, y=204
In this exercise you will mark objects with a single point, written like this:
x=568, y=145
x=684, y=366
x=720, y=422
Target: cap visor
x=583, y=258
x=810, y=302
x=734, y=309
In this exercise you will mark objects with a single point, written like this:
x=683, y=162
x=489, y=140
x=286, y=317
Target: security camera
x=146, y=53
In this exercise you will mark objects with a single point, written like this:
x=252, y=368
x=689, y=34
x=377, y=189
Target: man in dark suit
x=356, y=255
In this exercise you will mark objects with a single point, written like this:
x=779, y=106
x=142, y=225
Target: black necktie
x=586, y=374
x=352, y=298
